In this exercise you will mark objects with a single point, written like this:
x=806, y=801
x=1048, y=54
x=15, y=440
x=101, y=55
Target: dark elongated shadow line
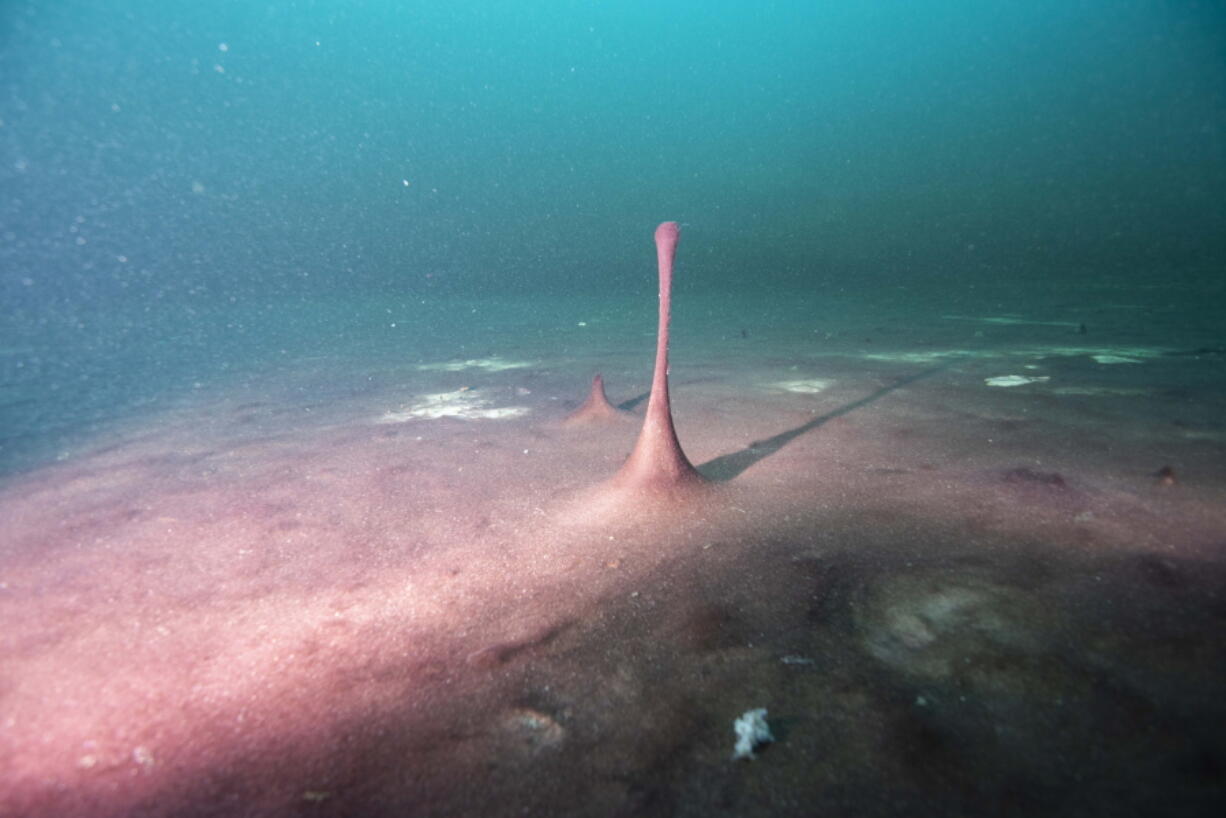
x=629, y=405
x=728, y=466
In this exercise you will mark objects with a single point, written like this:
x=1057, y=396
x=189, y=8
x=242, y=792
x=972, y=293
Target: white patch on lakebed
x=469, y=404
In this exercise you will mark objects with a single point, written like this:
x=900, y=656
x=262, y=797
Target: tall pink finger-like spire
x=657, y=464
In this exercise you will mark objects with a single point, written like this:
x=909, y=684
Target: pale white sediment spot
x=1114, y=359
x=142, y=756
x=494, y=364
x=921, y=357
x=808, y=387
x=1009, y=320
x=751, y=731
x=1130, y=354
x=1032, y=352
x=1101, y=391
x=1015, y=380
x=469, y=404
x=531, y=731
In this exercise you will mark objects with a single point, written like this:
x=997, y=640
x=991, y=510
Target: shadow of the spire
x=729, y=466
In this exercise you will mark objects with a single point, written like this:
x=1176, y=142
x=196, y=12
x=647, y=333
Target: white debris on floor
x=1015, y=380
x=808, y=387
x=751, y=731
x=494, y=364
x=470, y=404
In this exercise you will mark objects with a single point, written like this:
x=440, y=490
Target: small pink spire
x=596, y=409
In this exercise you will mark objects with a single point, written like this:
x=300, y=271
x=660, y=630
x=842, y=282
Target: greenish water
x=193, y=191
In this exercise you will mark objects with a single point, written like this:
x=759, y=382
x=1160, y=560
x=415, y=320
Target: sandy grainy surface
x=358, y=587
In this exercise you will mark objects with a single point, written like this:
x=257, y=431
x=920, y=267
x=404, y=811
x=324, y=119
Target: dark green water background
x=188, y=186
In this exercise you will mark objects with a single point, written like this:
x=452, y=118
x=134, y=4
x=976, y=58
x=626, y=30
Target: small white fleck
x=223, y=47
x=751, y=730
x=1015, y=380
